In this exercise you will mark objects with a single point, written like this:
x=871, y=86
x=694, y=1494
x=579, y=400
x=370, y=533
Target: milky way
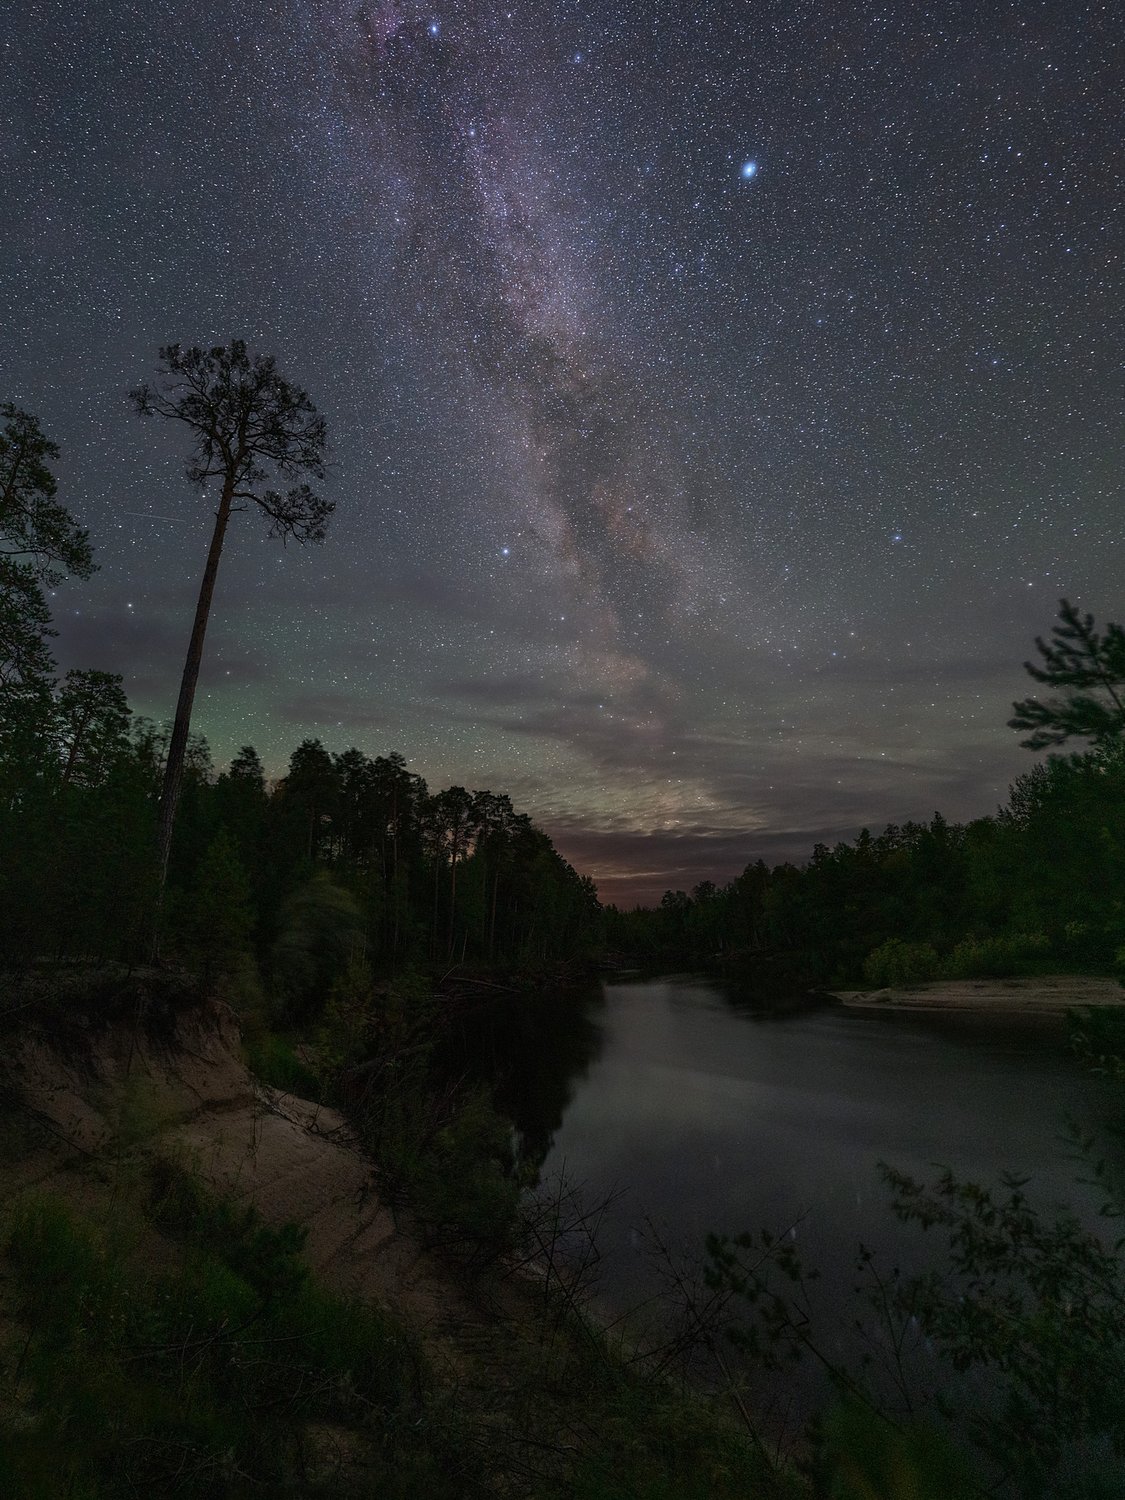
x=722, y=395
x=494, y=270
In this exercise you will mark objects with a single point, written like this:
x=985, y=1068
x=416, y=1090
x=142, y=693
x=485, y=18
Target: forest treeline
x=344, y=856
x=1040, y=882
x=1039, y=885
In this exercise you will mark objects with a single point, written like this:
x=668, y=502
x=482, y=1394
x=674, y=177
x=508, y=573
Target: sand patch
x=1047, y=995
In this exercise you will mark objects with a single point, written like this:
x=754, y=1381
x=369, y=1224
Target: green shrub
x=1097, y=1038
x=663, y=1445
x=465, y=1181
x=895, y=962
x=1038, y=1300
x=447, y=1153
x=204, y=1380
x=866, y=1455
x=274, y=1060
x=997, y=957
x=320, y=931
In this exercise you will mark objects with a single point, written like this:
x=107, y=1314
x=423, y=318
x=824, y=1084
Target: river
x=707, y=1115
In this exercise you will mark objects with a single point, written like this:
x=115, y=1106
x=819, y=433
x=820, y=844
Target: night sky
x=722, y=395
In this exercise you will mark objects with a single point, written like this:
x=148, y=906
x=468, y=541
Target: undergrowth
x=190, y=1352
x=276, y=1062
x=228, y=1373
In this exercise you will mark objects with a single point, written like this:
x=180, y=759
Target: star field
x=721, y=395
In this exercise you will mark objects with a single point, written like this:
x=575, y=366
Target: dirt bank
x=1045, y=995
x=82, y=1105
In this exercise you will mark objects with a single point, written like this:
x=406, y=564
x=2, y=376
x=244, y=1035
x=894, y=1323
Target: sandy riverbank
x=1043, y=994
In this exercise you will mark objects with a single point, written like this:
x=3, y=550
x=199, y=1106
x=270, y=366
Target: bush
x=467, y=1182
x=864, y=1455
x=1037, y=1300
x=1028, y=1303
x=205, y=1379
x=444, y=1151
x=997, y=957
x=321, y=930
x=275, y=1062
x=896, y=962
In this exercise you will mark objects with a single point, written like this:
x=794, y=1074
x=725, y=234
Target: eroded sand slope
x=75, y=1112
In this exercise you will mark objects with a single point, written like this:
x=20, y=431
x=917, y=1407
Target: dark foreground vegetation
x=181, y=1347
x=168, y=1341
x=343, y=856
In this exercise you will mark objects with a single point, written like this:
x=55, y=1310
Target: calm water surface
x=711, y=1117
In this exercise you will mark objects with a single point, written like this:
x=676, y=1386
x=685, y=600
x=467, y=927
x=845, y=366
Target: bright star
x=505, y=551
x=435, y=28
x=749, y=169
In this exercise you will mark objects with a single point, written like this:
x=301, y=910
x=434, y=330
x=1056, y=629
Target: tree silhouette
x=247, y=424
x=92, y=725
x=312, y=793
x=495, y=820
x=40, y=542
x=1091, y=669
x=456, y=811
x=34, y=529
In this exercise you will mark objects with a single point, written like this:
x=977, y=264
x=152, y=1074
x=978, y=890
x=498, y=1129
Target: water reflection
x=533, y=1050
x=709, y=1113
x=712, y=1110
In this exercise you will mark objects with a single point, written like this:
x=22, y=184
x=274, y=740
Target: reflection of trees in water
x=764, y=993
x=531, y=1049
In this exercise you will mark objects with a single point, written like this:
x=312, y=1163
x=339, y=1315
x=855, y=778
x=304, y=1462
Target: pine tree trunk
x=452, y=899
x=433, y=930
x=177, y=747
x=75, y=746
x=394, y=873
